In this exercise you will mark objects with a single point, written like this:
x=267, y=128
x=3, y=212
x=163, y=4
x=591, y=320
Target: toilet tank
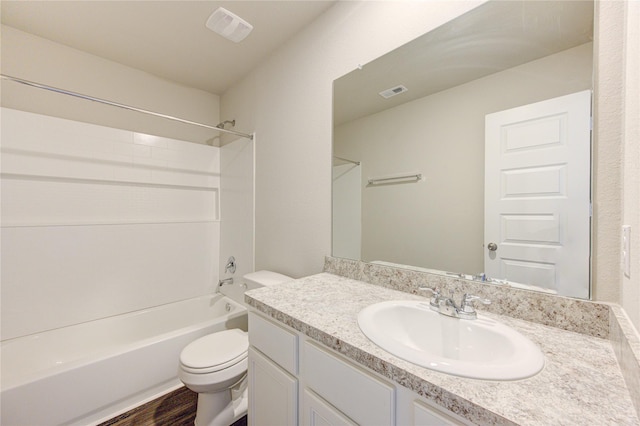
x=264, y=279
x=249, y=282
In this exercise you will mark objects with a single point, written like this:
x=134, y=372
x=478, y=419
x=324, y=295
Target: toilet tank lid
x=266, y=278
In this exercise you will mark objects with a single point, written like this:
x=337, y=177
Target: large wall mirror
x=467, y=151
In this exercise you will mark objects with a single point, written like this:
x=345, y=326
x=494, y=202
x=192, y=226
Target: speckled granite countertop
x=581, y=383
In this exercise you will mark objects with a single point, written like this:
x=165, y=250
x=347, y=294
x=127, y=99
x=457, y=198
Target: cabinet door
x=317, y=412
x=272, y=393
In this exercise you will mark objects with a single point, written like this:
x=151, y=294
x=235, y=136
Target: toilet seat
x=215, y=352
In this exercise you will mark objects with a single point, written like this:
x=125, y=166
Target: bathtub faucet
x=225, y=281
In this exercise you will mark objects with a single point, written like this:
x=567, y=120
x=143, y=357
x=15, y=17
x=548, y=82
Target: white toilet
x=215, y=366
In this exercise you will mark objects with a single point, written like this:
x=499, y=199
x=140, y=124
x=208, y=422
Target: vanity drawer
x=274, y=341
x=427, y=415
x=358, y=394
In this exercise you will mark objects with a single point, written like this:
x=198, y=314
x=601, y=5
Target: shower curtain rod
x=119, y=105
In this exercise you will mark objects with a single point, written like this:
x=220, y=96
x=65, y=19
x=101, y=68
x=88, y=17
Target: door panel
x=537, y=194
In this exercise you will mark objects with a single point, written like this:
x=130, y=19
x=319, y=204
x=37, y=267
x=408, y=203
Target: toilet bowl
x=212, y=366
x=215, y=366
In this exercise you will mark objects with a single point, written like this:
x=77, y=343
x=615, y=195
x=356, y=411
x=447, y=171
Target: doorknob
x=492, y=246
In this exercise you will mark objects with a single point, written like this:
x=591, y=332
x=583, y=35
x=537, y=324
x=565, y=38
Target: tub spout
x=225, y=281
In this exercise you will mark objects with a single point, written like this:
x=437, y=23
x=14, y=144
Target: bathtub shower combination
x=110, y=259
x=90, y=372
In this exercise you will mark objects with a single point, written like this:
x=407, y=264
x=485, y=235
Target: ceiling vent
x=229, y=25
x=393, y=91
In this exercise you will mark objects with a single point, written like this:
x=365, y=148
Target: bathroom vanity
x=295, y=380
x=309, y=363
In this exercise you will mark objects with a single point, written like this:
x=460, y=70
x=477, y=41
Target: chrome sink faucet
x=448, y=306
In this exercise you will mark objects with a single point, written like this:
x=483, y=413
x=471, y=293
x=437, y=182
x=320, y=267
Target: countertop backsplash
x=580, y=316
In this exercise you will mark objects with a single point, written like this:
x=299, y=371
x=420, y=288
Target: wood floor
x=177, y=408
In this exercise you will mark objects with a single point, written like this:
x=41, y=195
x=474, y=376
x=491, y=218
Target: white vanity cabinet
x=294, y=380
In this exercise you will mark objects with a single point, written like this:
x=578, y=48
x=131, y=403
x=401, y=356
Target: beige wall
x=438, y=223
x=631, y=177
x=607, y=152
x=33, y=58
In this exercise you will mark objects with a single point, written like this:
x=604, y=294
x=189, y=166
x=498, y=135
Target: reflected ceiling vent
x=229, y=25
x=393, y=91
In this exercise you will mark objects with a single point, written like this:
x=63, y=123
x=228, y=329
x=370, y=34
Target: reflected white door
x=537, y=194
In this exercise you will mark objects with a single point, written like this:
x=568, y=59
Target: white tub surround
x=90, y=372
x=581, y=382
x=98, y=221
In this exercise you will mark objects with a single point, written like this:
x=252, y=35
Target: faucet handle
x=467, y=309
x=435, y=295
x=469, y=299
x=231, y=265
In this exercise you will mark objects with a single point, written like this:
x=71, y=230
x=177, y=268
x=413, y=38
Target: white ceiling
x=167, y=38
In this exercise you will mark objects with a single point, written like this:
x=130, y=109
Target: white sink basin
x=479, y=349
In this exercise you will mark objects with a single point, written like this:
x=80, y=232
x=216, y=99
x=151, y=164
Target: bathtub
x=87, y=373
